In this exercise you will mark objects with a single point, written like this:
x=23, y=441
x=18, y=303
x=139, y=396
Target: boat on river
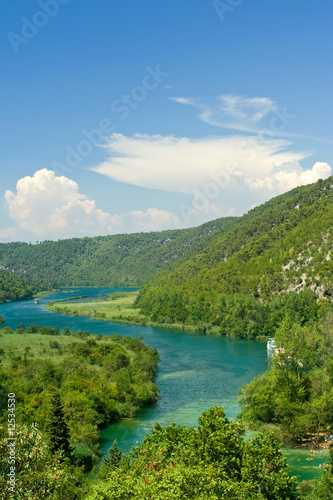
x=273, y=349
x=271, y=345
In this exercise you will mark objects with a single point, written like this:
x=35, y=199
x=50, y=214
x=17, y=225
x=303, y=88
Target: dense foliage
x=213, y=462
x=126, y=259
x=323, y=489
x=57, y=428
x=279, y=247
x=296, y=393
x=39, y=473
x=99, y=378
x=12, y=287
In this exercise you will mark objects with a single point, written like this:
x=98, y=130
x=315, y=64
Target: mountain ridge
x=115, y=260
x=282, y=246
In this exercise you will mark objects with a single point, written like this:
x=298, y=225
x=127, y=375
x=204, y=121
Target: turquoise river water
x=195, y=372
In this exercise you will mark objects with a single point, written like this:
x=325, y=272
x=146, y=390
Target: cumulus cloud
x=151, y=220
x=289, y=177
x=51, y=207
x=231, y=111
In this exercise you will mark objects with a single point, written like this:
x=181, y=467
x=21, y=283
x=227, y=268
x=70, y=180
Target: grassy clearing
x=45, y=292
x=117, y=308
x=42, y=347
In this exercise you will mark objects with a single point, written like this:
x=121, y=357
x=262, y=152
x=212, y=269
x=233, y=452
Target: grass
x=44, y=293
x=117, y=308
x=42, y=347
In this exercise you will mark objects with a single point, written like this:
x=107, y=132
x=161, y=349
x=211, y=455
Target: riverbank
x=116, y=308
x=120, y=307
x=101, y=379
x=45, y=293
x=195, y=372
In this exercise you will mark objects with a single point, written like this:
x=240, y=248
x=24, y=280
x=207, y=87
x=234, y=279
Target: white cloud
x=8, y=234
x=51, y=207
x=231, y=111
x=289, y=177
x=223, y=177
x=247, y=114
x=220, y=173
x=151, y=220
x=186, y=165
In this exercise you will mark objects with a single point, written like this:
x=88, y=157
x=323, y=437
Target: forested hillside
x=282, y=246
x=127, y=259
x=13, y=287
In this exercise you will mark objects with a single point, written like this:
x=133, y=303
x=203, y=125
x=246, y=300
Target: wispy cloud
x=247, y=114
x=231, y=111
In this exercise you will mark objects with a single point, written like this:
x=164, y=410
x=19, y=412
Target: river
x=195, y=372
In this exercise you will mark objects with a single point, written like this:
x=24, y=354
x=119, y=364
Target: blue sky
x=138, y=116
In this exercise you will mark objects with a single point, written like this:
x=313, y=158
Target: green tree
x=114, y=456
x=264, y=466
x=57, y=428
x=38, y=472
x=323, y=489
x=213, y=462
x=111, y=461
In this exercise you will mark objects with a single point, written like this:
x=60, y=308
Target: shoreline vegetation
x=118, y=307
x=124, y=307
x=292, y=379
x=14, y=287
x=100, y=379
x=44, y=293
x=121, y=307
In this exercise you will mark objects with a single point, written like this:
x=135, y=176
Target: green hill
x=12, y=287
x=118, y=260
x=282, y=246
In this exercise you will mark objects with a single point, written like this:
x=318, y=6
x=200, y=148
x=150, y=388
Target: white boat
x=271, y=345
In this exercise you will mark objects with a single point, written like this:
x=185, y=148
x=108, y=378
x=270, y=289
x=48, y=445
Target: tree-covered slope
x=127, y=259
x=284, y=245
x=12, y=287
